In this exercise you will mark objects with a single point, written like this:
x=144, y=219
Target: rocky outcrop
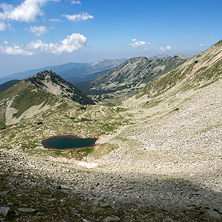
x=56, y=85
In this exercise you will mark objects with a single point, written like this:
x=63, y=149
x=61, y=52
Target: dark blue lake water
x=68, y=142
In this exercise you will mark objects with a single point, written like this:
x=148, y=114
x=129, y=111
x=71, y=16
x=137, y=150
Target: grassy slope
x=24, y=96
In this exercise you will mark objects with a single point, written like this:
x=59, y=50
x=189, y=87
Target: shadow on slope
x=94, y=195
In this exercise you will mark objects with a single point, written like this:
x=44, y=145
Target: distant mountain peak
x=183, y=56
x=56, y=85
x=44, y=76
x=160, y=56
x=72, y=71
x=37, y=94
x=97, y=62
x=107, y=63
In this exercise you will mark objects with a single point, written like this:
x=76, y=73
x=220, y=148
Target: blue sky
x=38, y=33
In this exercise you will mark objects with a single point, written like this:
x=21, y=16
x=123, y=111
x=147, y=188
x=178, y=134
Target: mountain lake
x=68, y=142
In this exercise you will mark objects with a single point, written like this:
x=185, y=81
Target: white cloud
x=14, y=50
x=201, y=45
x=5, y=42
x=168, y=47
x=142, y=44
x=76, y=2
x=135, y=43
x=27, y=11
x=2, y=26
x=165, y=48
x=73, y=42
x=55, y=20
x=38, y=30
x=78, y=17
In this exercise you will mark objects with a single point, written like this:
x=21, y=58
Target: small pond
x=68, y=142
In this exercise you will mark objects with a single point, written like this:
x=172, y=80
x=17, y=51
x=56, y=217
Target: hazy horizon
x=58, y=64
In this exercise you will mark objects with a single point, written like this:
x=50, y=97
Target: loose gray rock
x=104, y=204
x=214, y=215
x=3, y=193
x=27, y=210
x=111, y=218
x=5, y=211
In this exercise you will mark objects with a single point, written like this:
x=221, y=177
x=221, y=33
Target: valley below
x=158, y=156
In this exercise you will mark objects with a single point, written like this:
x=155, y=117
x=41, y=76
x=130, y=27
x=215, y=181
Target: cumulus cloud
x=73, y=42
x=38, y=30
x=76, y=2
x=135, y=43
x=165, y=48
x=201, y=45
x=27, y=11
x=78, y=17
x=142, y=44
x=14, y=50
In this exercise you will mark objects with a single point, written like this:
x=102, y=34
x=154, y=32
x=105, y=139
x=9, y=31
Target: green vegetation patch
x=103, y=149
x=2, y=125
x=28, y=97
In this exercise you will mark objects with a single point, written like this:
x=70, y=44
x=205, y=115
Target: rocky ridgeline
x=56, y=85
x=131, y=76
x=37, y=94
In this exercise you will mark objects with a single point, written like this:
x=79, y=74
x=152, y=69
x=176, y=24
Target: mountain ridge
x=37, y=94
x=68, y=70
x=130, y=77
x=196, y=71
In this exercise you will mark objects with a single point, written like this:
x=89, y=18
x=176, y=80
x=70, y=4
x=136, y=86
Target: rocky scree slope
x=131, y=76
x=36, y=94
x=177, y=133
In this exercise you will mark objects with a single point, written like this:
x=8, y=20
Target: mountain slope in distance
x=198, y=71
x=70, y=71
x=130, y=77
